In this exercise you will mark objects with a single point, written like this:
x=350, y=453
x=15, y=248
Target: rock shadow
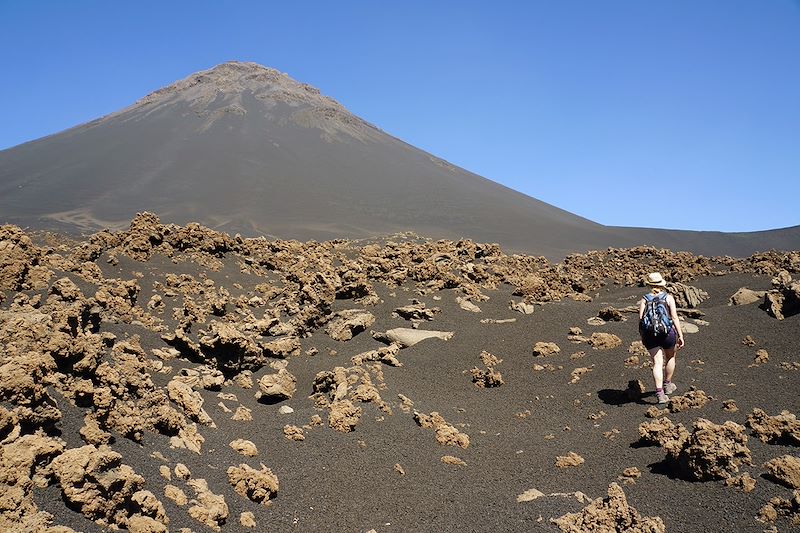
x=622, y=397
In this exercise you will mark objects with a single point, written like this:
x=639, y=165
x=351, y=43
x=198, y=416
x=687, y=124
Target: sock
x=659, y=390
x=667, y=382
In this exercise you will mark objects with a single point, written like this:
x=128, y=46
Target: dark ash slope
x=243, y=148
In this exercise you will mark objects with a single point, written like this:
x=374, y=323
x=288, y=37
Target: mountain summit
x=222, y=90
x=245, y=148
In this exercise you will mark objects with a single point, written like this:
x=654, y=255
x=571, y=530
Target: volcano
x=245, y=148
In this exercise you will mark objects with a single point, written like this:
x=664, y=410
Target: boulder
x=277, y=387
x=406, y=337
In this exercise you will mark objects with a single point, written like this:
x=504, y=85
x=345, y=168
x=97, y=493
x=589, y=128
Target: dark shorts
x=666, y=342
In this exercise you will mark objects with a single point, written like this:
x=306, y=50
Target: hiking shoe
x=669, y=388
x=662, y=398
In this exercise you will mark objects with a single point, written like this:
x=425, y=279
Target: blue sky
x=682, y=114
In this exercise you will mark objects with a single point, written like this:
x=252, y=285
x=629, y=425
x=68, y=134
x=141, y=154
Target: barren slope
x=243, y=148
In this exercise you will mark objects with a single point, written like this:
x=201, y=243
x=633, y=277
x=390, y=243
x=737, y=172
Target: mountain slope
x=244, y=148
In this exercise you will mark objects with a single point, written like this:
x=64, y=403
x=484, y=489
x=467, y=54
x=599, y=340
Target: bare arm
x=641, y=308
x=673, y=312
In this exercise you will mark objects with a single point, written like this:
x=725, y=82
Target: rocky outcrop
x=22, y=264
x=190, y=401
x=95, y=483
x=277, y=387
x=783, y=428
x=694, y=399
x=489, y=377
x=784, y=299
x=349, y=323
x=71, y=316
x=745, y=296
x=343, y=416
x=604, y=341
x=545, y=349
x=231, y=349
x=446, y=434
x=257, y=485
x=785, y=469
x=612, y=513
x=207, y=508
x=417, y=310
x=686, y=296
x=570, y=460
x=663, y=432
x=711, y=451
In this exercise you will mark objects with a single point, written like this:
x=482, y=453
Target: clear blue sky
x=598, y=107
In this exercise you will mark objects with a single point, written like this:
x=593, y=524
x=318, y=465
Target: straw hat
x=654, y=279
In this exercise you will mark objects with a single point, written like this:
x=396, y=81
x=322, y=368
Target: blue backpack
x=655, y=321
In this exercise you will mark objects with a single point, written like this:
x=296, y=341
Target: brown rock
x=712, y=451
x=609, y=514
x=604, y=341
x=570, y=460
x=417, y=311
x=610, y=314
x=730, y=405
x=91, y=432
x=283, y=347
x=175, y=494
x=244, y=447
x=293, y=433
x=96, y=483
x=576, y=374
x=243, y=414
x=490, y=377
x=147, y=505
x=630, y=475
x=348, y=323
x=247, y=519
x=762, y=356
x=386, y=355
x=277, y=387
x=745, y=296
x=786, y=470
x=446, y=434
x=779, y=429
x=687, y=296
x=189, y=400
x=257, y=485
x=145, y=524
x=748, y=341
x=231, y=348
x=778, y=506
x=694, y=399
x=207, y=508
x=745, y=482
x=662, y=432
x=343, y=416
x=545, y=349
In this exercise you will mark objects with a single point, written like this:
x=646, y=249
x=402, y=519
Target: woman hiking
x=661, y=333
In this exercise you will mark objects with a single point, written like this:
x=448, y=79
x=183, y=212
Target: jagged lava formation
x=168, y=377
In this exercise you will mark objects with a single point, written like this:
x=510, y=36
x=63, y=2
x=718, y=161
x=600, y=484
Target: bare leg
x=658, y=366
x=670, y=355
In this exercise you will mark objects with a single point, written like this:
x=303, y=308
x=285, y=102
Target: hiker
x=661, y=333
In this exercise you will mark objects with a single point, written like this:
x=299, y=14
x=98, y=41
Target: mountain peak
x=220, y=91
x=235, y=77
